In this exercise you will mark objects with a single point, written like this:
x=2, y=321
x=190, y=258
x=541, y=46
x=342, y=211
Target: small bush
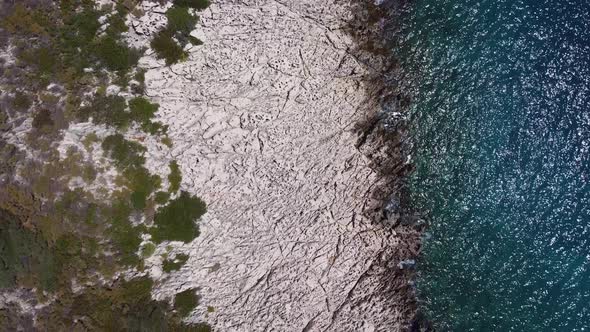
x=142, y=184
x=21, y=101
x=162, y=197
x=142, y=112
x=125, y=153
x=180, y=20
x=166, y=48
x=42, y=58
x=148, y=250
x=177, y=220
x=114, y=55
x=126, y=237
x=196, y=4
x=42, y=119
x=185, y=302
x=109, y=110
x=117, y=22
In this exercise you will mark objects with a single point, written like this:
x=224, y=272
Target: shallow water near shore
x=500, y=119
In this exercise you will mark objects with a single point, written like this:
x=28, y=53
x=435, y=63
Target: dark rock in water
x=421, y=324
x=391, y=211
x=407, y=264
x=415, y=221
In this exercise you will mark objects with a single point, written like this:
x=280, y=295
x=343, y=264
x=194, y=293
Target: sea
x=499, y=120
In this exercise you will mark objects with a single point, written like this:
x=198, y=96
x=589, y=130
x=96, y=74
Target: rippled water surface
x=501, y=122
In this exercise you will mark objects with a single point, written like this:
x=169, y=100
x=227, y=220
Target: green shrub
x=174, y=177
x=142, y=112
x=186, y=301
x=22, y=252
x=114, y=55
x=166, y=48
x=126, y=238
x=162, y=197
x=196, y=4
x=44, y=59
x=21, y=101
x=116, y=21
x=125, y=153
x=139, y=76
x=109, y=110
x=177, y=220
x=180, y=20
x=170, y=265
x=42, y=119
x=194, y=40
x=142, y=184
x=148, y=250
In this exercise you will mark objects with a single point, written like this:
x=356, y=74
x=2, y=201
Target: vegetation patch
x=42, y=120
x=177, y=220
x=175, y=177
x=142, y=112
x=186, y=301
x=175, y=264
x=167, y=48
x=54, y=233
x=162, y=197
x=125, y=153
x=196, y=4
x=170, y=42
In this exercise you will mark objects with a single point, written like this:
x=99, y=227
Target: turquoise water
x=500, y=119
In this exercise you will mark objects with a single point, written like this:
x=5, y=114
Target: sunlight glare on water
x=500, y=120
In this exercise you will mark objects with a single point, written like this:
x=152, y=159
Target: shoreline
x=271, y=112
x=259, y=138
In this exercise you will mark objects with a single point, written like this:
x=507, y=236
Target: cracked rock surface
x=262, y=119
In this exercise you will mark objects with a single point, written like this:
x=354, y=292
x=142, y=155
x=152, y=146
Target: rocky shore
x=180, y=165
x=275, y=124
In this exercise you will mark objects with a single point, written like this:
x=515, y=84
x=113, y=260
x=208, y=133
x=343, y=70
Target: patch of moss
x=175, y=177
x=175, y=264
x=177, y=220
x=196, y=4
x=186, y=301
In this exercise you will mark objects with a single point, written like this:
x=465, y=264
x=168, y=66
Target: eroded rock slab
x=262, y=118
